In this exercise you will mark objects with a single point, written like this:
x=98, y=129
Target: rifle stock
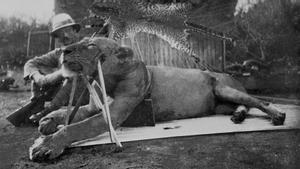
x=34, y=106
x=22, y=114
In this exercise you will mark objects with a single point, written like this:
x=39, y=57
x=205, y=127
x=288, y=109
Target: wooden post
x=28, y=44
x=71, y=97
x=223, y=53
x=51, y=43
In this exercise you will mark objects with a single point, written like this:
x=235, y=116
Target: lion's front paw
x=47, y=147
x=47, y=126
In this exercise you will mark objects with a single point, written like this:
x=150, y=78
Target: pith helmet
x=62, y=20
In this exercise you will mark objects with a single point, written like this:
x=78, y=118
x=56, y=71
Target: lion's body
x=175, y=93
x=182, y=93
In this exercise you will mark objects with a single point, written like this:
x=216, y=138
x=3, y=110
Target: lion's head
x=82, y=57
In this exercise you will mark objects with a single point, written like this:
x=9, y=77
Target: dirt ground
x=277, y=149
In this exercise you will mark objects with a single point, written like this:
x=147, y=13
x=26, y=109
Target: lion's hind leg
x=226, y=93
x=225, y=108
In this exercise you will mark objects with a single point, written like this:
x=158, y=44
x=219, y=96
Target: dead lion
x=176, y=94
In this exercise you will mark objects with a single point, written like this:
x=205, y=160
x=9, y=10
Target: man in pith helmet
x=43, y=71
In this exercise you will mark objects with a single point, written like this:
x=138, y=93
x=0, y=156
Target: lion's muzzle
x=74, y=66
x=70, y=69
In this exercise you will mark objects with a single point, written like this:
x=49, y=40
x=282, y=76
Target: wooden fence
x=155, y=51
x=38, y=43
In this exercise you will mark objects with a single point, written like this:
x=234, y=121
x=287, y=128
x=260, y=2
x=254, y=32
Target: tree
x=13, y=40
x=266, y=32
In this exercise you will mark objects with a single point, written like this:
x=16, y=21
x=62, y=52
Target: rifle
x=34, y=106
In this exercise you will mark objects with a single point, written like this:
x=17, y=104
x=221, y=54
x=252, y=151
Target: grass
x=15, y=98
x=14, y=141
x=10, y=101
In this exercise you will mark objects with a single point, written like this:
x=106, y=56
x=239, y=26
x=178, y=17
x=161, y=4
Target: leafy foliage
x=13, y=40
x=268, y=32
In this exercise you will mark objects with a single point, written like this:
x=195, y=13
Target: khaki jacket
x=45, y=64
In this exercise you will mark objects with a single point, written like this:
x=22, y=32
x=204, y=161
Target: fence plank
x=155, y=51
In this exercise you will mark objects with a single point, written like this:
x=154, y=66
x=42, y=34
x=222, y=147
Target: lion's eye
x=91, y=45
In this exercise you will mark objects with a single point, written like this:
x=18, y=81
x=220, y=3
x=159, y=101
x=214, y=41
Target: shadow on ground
x=245, y=150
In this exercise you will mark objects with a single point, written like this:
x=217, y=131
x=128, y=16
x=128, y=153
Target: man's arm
x=44, y=64
x=43, y=69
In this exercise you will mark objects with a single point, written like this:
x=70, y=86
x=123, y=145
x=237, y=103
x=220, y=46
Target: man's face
x=67, y=35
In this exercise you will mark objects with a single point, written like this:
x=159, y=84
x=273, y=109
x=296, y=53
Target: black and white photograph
x=149, y=84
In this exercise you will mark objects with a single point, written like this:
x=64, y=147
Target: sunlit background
x=41, y=10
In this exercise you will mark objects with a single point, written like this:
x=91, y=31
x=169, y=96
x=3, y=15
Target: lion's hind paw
x=279, y=119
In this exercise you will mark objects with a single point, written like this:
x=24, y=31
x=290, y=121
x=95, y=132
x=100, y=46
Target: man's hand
x=49, y=79
x=38, y=78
